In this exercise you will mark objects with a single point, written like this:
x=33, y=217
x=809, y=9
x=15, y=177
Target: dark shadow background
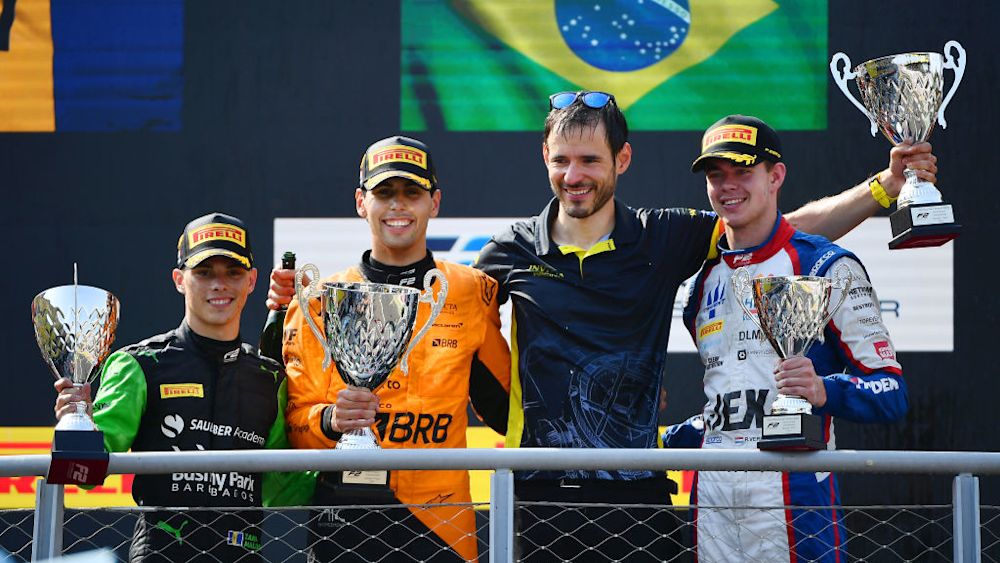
x=280, y=98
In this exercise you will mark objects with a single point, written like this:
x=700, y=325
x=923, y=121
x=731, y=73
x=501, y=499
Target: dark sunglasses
x=594, y=100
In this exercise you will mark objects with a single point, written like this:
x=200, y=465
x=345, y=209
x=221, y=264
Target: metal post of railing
x=47, y=538
x=965, y=504
x=502, y=516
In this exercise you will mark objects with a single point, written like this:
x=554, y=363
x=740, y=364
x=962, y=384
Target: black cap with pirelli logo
x=743, y=139
x=397, y=157
x=215, y=234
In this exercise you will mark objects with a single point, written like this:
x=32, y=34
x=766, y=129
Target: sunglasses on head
x=594, y=100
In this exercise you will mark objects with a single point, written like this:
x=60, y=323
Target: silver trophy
x=75, y=327
x=792, y=312
x=902, y=97
x=367, y=328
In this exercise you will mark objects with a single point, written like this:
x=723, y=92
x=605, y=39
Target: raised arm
x=836, y=215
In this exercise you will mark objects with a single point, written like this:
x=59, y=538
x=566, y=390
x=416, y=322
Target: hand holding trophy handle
x=70, y=395
x=437, y=303
x=303, y=294
x=840, y=78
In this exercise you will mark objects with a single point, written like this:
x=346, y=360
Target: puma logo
x=176, y=532
x=440, y=498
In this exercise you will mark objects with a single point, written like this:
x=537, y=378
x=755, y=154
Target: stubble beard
x=602, y=195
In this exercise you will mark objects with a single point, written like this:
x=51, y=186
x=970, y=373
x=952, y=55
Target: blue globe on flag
x=623, y=35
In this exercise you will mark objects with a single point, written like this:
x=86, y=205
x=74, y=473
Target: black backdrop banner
x=280, y=98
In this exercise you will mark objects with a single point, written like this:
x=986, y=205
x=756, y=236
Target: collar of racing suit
x=224, y=350
x=411, y=275
x=779, y=237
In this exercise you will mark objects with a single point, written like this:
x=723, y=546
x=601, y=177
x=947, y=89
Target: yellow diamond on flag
x=533, y=28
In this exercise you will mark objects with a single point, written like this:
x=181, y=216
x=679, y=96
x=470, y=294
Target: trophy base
x=354, y=487
x=363, y=439
x=78, y=458
x=792, y=432
x=923, y=224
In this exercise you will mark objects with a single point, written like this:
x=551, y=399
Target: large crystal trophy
x=792, y=312
x=902, y=97
x=75, y=326
x=366, y=329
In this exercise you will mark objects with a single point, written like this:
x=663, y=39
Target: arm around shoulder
x=837, y=215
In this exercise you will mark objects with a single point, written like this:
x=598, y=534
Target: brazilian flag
x=489, y=65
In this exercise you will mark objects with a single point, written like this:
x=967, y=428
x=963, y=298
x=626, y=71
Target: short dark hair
x=579, y=116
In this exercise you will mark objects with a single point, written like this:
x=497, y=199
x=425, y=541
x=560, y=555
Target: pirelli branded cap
x=215, y=234
x=742, y=139
x=400, y=157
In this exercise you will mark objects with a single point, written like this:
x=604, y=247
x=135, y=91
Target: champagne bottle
x=271, y=336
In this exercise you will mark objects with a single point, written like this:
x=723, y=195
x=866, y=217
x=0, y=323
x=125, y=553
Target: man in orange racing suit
x=463, y=356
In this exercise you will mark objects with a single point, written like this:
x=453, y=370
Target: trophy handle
x=437, y=303
x=841, y=80
x=741, y=286
x=842, y=280
x=303, y=294
x=957, y=64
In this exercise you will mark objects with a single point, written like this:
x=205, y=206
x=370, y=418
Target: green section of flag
x=457, y=76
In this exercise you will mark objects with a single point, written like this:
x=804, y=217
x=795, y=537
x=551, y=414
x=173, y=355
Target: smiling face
x=582, y=172
x=398, y=211
x=215, y=292
x=746, y=198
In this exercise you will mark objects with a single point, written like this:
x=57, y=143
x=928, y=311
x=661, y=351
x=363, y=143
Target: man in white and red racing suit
x=850, y=373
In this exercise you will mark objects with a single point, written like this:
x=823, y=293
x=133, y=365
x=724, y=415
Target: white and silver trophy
x=366, y=329
x=792, y=312
x=902, y=97
x=75, y=327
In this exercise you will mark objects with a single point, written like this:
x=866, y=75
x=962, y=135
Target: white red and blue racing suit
x=863, y=383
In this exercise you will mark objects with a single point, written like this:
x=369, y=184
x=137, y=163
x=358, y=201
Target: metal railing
x=966, y=530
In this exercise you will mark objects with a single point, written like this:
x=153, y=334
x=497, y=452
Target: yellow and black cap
x=742, y=139
x=215, y=234
x=397, y=157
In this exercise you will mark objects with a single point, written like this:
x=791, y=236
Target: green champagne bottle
x=271, y=336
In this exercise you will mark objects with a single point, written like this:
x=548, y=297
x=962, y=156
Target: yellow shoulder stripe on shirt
x=713, y=243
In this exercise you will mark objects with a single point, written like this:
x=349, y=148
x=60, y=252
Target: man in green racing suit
x=198, y=388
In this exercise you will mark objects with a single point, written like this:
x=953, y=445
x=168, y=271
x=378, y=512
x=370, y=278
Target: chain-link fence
x=873, y=533
x=510, y=530
x=382, y=533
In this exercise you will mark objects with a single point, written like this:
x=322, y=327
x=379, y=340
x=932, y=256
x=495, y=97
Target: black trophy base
x=923, y=224
x=78, y=458
x=357, y=487
x=792, y=432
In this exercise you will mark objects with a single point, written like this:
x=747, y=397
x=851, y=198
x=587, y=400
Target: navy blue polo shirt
x=590, y=327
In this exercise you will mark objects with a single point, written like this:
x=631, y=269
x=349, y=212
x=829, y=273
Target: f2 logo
x=79, y=472
x=6, y=22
